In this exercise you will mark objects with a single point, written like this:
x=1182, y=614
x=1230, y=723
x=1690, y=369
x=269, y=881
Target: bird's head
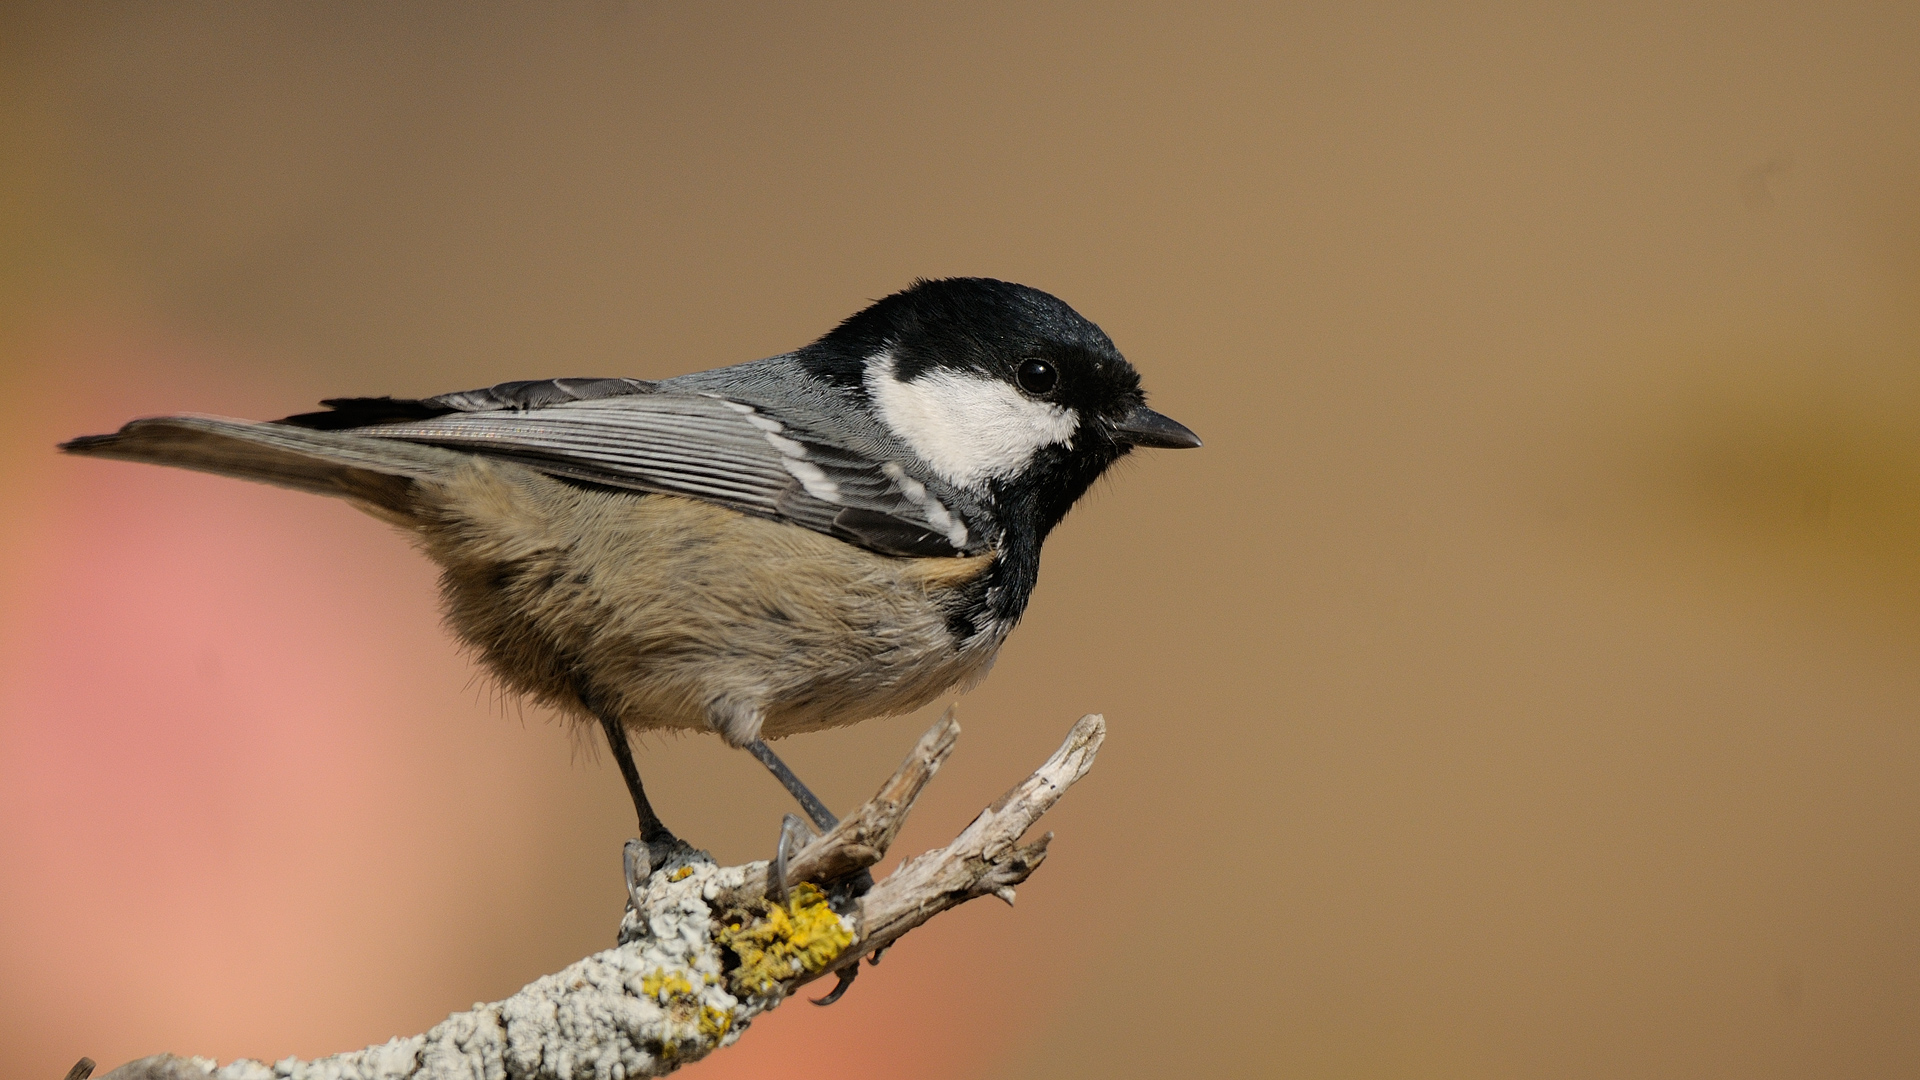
x=999, y=389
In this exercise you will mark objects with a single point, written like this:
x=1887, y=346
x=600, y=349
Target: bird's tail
x=379, y=474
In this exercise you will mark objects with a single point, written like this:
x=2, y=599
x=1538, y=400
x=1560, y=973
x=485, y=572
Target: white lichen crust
x=703, y=951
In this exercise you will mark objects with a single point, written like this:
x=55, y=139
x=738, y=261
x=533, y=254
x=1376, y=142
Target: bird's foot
x=841, y=893
x=641, y=858
x=795, y=836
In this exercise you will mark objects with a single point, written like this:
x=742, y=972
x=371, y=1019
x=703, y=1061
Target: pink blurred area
x=215, y=691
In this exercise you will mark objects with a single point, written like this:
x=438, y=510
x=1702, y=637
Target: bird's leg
x=652, y=829
x=823, y=818
x=659, y=839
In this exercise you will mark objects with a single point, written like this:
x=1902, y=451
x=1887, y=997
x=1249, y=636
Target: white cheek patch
x=969, y=428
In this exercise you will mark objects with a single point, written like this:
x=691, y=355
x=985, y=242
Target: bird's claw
x=846, y=975
x=794, y=836
x=637, y=861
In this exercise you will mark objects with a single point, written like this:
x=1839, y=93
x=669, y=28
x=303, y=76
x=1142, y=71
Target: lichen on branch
x=799, y=938
x=705, y=948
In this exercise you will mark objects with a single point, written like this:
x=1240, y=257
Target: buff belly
x=675, y=613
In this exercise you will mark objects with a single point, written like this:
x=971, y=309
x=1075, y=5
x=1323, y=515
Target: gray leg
x=823, y=818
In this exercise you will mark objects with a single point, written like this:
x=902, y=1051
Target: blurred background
x=1525, y=670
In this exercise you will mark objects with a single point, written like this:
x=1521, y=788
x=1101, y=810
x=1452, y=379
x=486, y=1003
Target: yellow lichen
x=664, y=985
x=714, y=1023
x=800, y=938
x=681, y=874
x=676, y=993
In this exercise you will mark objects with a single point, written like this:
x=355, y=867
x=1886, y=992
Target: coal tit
x=785, y=545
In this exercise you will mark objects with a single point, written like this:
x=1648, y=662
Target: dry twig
x=704, y=949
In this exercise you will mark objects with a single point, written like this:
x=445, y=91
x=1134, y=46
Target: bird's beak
x=1144, y=427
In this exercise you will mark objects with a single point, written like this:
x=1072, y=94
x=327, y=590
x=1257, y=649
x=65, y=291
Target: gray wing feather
x=706, y=447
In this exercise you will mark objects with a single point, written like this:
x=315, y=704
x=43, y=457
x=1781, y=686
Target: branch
x=704, y=949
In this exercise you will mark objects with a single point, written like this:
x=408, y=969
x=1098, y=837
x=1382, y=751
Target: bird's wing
x=629, y=434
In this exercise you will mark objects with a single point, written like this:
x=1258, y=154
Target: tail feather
x=379, y=473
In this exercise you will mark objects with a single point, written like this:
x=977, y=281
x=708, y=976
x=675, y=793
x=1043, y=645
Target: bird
x=780, y=546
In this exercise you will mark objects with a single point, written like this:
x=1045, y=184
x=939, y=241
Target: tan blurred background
x=1524, y=674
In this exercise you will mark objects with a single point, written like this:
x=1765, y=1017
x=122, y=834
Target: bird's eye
x=1036, y=377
